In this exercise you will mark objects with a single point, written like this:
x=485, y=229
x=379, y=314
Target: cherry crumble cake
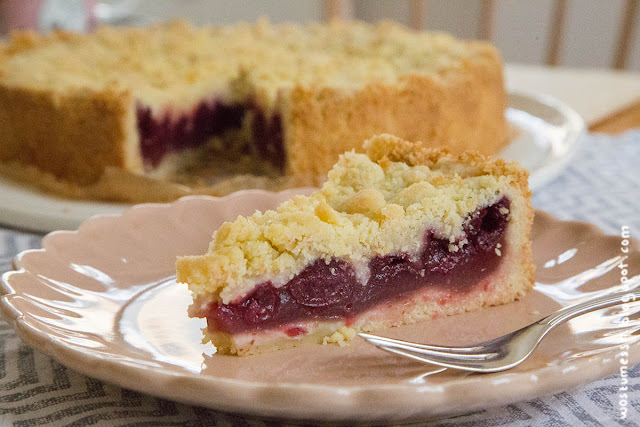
x=77, y=106
x=399, y=234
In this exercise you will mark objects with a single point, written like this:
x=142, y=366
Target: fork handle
x=584, y=307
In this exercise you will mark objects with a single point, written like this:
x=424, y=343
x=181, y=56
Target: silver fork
x=504, y=352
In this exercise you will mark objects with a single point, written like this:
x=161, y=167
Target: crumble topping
x=175, y=63
x=372, y=205
x=341, y=337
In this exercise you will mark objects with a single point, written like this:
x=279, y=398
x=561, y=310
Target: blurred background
x=574, y=33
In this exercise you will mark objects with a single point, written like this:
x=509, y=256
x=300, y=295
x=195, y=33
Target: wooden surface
x=559, y=21
x=627, y=32
x=618, y=121
x=608, y=100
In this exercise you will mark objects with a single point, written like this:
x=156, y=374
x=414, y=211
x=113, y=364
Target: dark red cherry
x=323, y=285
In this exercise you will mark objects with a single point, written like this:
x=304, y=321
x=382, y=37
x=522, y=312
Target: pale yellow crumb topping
x=365, y=209
x=341, y=337
x=179, y=64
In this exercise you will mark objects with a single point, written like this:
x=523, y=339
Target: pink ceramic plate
x=103, y=300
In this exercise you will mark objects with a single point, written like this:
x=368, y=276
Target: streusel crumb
x=341, y=337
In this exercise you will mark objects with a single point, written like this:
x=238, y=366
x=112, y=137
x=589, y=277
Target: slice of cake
x=398, y=235
x=74, y=105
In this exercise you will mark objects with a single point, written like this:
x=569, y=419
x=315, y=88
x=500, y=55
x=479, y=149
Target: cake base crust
x=74, y=136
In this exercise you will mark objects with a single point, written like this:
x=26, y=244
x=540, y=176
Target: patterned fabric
x=36, y=390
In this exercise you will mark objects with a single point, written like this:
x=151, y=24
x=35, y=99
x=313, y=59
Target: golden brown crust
x=74, y=136
x=21, y=41
x=385, y=149
x=461, y=109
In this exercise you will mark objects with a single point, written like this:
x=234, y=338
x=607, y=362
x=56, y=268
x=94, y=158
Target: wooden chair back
x=418, y=9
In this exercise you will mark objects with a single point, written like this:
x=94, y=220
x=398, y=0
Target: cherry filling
x=160, y=136
x=170, y=133
x=332, y=291
x=268, y=139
